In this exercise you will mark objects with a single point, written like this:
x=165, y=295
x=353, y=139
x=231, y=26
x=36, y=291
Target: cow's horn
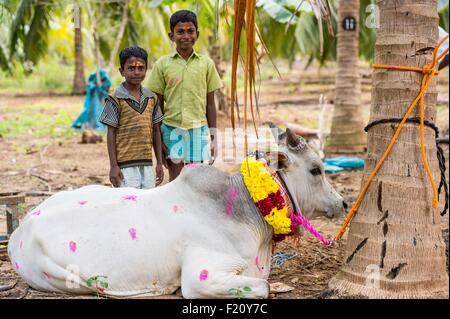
x=294, y=142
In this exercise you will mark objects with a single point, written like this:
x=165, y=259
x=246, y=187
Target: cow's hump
x=205, y=180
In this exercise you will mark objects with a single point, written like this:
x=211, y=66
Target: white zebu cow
x=193, y=232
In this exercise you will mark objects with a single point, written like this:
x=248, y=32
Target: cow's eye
x=316, y=171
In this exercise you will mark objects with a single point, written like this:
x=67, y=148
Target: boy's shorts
x=188, y=145
x=138, y=177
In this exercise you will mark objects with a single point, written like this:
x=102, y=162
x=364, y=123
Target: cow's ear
x=278, y=160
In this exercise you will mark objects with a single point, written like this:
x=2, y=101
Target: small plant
x=99, y=282
x=240, y=293
x=21, y=209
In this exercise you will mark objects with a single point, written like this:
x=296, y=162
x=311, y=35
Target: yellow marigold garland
x=260, y=185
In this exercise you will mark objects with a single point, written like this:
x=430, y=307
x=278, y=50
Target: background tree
x=347, y=128
x=395, y=240
x=79, y=82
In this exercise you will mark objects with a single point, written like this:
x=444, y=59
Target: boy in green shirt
x=185, y=82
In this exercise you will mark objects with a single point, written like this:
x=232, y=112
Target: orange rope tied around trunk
x=428, y=72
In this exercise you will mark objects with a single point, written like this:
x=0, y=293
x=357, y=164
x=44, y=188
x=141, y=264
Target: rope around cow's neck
x=299, y=219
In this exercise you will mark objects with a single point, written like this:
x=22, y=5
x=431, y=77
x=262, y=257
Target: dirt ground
x=38, y=165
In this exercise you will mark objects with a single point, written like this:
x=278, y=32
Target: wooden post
x=12, y=202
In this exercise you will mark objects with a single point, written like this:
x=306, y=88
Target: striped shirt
x=111, y=113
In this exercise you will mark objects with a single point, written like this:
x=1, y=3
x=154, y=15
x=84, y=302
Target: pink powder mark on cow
x=132, y=232
x=36, y=213
x=82, y=202
x=17, y=265
x=203, y=275
x=72, y=246
x=130, y=197
x=193, y=166
x=46, y=275
x=258, y=264
x=20, y=245
x=177, y=209
x=231, y=196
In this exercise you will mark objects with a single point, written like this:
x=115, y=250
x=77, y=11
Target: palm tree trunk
x=347, y=134
x=395, y=247
x=79, y=82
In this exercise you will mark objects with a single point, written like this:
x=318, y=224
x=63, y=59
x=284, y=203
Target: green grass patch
x=38, y=125
x=48, y=76
x=39, y=120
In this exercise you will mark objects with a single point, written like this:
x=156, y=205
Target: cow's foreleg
x=208, y=274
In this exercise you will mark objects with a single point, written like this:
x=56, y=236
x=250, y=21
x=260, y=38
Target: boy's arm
x=115, y=175
x=157, y=146
x=110, y=117
x=165, y=152
x=161, y=102
x=211, y=116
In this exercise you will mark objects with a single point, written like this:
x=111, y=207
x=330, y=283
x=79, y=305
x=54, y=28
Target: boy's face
x=134, y=70
x=184, y=35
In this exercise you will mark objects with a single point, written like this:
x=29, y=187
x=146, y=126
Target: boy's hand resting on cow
x=115, y=176
x=213, y=150
x=159, y=174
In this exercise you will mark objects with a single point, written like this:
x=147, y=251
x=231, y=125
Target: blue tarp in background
x=93, y=103
x=337, y=164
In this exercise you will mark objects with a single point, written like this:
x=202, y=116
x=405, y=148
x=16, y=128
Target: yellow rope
x=428, y=72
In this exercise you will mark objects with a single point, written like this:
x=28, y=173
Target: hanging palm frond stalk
x=245, y=14
x=321, y=10
x=245, y=21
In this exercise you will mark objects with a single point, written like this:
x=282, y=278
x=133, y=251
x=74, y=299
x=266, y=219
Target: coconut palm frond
x=277, y=10
x=132, y=34
x=443, y=17
x=216, y=20
x=5, y=65
x=207, y=8
x=239, y=19
x=103, y=45
x=36, y=41
x=250, y=64
x=21, y=17
x=322, y=12
x=245, y=15
x=308, y=41
x=293, y=15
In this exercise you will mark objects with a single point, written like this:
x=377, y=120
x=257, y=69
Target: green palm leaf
x=21, y=17
x=36, y=41
x=4, y=61
x=277, y=10
x=443, y=17
x=132, y=33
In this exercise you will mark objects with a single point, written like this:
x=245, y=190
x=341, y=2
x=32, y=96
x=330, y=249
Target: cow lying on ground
x=127, y=242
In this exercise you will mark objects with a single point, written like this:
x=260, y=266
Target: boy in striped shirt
x=133, y=118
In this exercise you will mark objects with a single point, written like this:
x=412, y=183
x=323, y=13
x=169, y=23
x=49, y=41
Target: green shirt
x=185, y=85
